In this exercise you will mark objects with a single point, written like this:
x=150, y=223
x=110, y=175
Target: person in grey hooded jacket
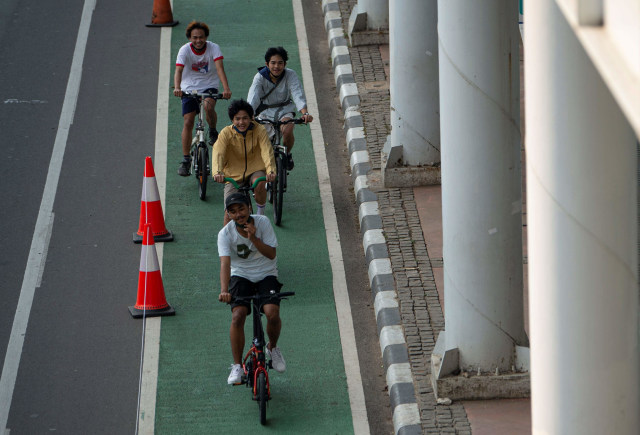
x=277, y=94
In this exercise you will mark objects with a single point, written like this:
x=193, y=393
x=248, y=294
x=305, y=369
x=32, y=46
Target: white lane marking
x=341, y=296
x=151, y=338
x=16, y=101
x=39, y=242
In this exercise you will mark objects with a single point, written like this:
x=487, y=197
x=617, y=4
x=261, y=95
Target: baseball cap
x=236, y=198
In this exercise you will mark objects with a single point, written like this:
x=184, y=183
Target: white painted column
x=377, y=13
x=415, y=105
x=582, y=239
x=481, y=181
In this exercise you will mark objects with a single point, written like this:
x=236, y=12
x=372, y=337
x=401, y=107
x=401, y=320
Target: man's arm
x=226, y=93
x=225, y=276
x=266, y=151
x=177, y=81
x=218, y=153
x=297, y=94
x=253, y=97
x=263, y=248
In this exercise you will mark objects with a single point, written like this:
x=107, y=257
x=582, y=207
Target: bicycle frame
x=277, y=189
x=254, y=363
x=246, y=189
x=199, y=151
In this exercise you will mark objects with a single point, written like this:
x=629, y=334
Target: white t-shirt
x=246, y=260
x=199, y=72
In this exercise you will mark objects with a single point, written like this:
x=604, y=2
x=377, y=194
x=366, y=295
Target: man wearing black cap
x=248, y=265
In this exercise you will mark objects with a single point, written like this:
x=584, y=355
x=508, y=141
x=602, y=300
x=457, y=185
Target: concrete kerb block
x=407, y=418
x=343, y=70
x=379, y=266
x=373, y=237
x=336, y=38
x=358, y=157
x=402, y=393
x=390, y=335
x=330, y=5
x=399, y=373
x=389, y=317
x=367, y=209
x=332, y=20
x=406, y=415
x=383, y=300
x=395, y=354
x=355, y=133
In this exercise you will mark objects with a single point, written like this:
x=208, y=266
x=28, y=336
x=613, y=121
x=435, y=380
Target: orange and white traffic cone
x=151, y=301
x=162, y=15
x=151, y=208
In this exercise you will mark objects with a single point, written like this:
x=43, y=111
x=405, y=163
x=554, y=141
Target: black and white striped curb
x=406, y=415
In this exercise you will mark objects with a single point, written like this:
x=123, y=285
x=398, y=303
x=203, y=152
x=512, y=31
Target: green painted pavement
x=193, y=396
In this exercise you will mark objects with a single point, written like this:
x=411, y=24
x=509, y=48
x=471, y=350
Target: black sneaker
x=213, y=135
x=185, y=168
x=290, y=162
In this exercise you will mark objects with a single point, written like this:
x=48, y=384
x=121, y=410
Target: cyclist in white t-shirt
x=199, y=68
x=248, y=266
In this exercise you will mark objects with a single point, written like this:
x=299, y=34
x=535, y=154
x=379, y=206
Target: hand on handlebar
x=226, y=94
x=307, y=118
x=225, y=297
x=177, y=92
x=271, y=177
x=219, y=178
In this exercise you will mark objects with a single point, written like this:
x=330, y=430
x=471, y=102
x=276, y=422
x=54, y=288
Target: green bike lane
x=192, y=394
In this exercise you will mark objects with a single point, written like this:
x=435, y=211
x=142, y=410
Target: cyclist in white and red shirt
x=199, y=68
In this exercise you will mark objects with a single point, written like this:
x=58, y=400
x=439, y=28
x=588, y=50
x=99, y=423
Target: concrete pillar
x=376, y=13
x=481, y=185
x=415, y=105
x=369, y=22
x=582, y=238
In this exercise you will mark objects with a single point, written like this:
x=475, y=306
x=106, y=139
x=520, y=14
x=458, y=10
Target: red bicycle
x=254, y=364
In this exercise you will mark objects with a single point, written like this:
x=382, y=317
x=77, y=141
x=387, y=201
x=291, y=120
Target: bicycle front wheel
x=263, y=396
x=202, y=176
x=279, y=186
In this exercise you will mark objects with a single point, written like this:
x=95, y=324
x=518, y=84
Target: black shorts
x=191, y=104
x=239, y=286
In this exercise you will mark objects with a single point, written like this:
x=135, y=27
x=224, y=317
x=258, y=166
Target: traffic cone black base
x=137, y=313
x=168, y=237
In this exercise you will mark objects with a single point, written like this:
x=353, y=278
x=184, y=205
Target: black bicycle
x=276, y=189
x=254, y=364
x=199, y=149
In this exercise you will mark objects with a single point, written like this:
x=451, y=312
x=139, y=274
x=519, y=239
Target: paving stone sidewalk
x=421, y=315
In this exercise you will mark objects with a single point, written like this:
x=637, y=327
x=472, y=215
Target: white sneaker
x=277, y=360
x=235, y=377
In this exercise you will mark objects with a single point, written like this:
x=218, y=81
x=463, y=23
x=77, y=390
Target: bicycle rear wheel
x=279, y=186
x=263, y=396
x=202, y=176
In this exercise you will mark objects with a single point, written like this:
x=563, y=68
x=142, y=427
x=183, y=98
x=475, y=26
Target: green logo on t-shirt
x=243, y=251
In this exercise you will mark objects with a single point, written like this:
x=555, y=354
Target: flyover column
x=415, y=104
x=582, y=212
x=369, y=22
x=481, y=189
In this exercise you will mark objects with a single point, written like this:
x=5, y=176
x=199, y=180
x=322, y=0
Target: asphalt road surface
x=78, y=369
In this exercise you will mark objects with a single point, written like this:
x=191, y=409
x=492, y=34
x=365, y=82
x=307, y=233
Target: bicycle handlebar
x=278, y=123
x=253, y=186
x=282, y=295
x=196, y=95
